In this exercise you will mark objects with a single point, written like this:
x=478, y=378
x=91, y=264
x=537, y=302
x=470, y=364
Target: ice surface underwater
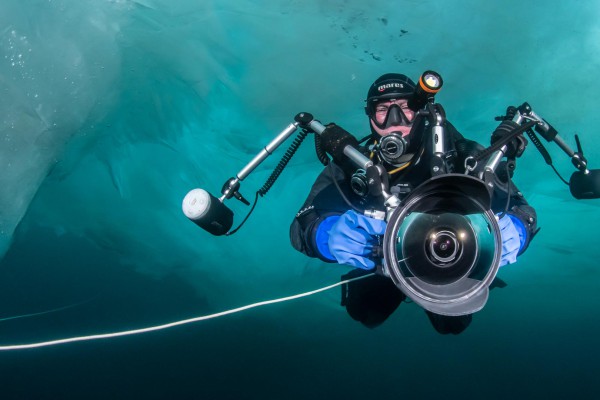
x=113, y=110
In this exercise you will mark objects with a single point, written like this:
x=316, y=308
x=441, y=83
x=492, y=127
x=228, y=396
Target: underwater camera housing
x=442, y=245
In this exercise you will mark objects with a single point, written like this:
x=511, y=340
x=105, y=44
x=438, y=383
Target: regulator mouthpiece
x=392, y=147
x=208, y=212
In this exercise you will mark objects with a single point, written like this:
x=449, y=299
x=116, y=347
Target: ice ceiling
x=112, y=110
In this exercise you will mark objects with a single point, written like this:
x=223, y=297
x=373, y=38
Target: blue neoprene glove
x=513, y=236
x=349, y=238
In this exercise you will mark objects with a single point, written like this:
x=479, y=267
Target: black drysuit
x=372, y=300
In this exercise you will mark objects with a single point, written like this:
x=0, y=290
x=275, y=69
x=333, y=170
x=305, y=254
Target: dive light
x=429, y=84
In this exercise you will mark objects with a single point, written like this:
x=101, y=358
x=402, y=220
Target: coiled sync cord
x=274, y=175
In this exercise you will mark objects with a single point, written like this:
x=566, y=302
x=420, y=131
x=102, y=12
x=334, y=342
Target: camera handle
x=436, y=118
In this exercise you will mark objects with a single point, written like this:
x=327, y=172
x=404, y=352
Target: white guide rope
x=172, y=324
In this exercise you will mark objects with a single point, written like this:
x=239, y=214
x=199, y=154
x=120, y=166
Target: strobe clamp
x=304, y=119
x=231, y=189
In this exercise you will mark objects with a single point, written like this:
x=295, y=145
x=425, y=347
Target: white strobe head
x=196, y=203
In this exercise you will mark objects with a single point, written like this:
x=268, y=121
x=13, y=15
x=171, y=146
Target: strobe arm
x=210, y=213
x=525, y=113
x=548, y=132
x=335, y=140
x=584, y=183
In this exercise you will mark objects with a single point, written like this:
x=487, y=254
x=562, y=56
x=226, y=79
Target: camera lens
x=444, y=247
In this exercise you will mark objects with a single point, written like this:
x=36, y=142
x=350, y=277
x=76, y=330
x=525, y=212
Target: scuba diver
x=331, y=226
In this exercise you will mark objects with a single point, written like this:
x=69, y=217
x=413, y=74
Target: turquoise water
x=113, y=110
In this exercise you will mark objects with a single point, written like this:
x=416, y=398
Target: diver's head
x=387, y=105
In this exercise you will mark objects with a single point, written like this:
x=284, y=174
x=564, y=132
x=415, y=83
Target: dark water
x=533, y=340
x=112, y=111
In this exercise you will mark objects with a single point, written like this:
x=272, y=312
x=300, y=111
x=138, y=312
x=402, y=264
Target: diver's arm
x=519, y=210
x=528, y=217
x=320, y=204
x=326, y=227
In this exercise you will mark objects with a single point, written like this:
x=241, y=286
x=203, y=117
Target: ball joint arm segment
x=231, y=187
x=549, y=133
x=584, y=183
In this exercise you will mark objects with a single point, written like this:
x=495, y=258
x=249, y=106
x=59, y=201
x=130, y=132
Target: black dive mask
x=394, y=117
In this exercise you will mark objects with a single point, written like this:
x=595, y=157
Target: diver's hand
x=512, y=232
x=352, y=237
